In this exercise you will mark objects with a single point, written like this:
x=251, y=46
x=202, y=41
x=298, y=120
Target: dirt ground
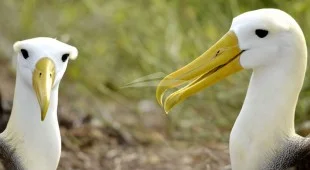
x=87, y=145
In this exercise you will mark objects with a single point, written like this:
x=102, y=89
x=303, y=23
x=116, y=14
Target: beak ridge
x=43, y=80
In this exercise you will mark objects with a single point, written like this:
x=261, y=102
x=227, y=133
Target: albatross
x=271, y=44
x=31, y=140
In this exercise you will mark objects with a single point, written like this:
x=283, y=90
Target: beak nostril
x=50, y=75
x=40, y=74
x=217, y=53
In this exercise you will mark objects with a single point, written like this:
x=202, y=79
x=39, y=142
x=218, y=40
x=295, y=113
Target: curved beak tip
x=167, y=109
x=159, y=93
x=44, y=110
x=43, y=116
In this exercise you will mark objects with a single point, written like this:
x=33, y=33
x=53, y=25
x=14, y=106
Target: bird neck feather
x=37, y=143
x=267, y=116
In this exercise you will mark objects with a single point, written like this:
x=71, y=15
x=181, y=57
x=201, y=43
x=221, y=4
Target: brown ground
x=87, y=144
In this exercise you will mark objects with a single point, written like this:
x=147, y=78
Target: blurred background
x=108, y=125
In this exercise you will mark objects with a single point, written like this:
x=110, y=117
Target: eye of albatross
x=24, y=53
x=65, y=57
x=261, y=33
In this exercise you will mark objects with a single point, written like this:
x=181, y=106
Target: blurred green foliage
x=120, y=41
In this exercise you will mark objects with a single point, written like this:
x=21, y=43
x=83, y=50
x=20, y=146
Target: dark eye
x=24, y=53
x=261, y=33
x=65, y=57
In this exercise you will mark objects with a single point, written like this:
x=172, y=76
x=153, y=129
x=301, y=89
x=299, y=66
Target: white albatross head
x=256, y=39
x=41, y=63
x=266, y=36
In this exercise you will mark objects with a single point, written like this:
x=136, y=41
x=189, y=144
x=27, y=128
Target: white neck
x=36, y=142
x=267, y=115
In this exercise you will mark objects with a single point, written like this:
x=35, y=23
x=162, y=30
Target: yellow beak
x=42, y=80
x=218, y=62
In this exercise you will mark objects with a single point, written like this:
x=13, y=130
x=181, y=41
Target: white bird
x=31, y=139
x=271, y=43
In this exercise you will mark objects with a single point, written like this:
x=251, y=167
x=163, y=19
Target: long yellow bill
x=42, y=80
x=221, y=60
